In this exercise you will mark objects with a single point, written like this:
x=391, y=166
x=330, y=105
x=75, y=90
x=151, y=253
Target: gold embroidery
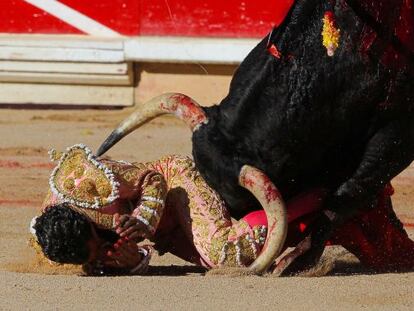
x=104, y=221
x=217, y=244
x=231, y=253
x=69, y=184
x=129, y=175
x=146, y=215
x=246, y=255
x=79, y=171
x=103, y=188
x=96, y=182
x=202, y=227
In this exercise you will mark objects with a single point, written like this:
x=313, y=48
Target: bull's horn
x=180, y=105
x=269, y=197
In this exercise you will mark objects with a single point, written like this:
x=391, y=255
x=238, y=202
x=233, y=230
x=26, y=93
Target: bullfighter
x=97, y=210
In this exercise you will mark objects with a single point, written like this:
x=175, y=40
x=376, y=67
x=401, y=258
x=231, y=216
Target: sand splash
x=33, y=262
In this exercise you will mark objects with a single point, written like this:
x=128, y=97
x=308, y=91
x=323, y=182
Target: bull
x=308, y=115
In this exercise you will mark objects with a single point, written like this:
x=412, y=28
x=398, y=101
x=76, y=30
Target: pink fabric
x=203, y=216
x=304, y=204
x=256, y=218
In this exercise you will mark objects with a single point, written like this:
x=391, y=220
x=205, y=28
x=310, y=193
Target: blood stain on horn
x=271, y=194
x=248, y=181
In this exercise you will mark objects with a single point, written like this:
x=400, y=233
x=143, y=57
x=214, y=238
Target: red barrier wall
x=208, y=18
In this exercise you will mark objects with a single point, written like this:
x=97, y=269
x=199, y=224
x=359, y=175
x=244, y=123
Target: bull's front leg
x=387, y=153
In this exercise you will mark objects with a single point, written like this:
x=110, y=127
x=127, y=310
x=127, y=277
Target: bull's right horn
x=180, y=105
x=269, y=197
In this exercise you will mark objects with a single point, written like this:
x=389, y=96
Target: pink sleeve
x=152, y=201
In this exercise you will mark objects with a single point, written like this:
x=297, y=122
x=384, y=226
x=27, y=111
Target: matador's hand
x=125, y=255
x=307, y=253
x=130, y=227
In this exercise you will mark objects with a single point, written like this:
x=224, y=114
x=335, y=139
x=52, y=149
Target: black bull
x=307, y=120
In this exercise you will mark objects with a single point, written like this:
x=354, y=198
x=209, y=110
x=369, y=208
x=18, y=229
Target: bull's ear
x=180, y=105
x=269, y=197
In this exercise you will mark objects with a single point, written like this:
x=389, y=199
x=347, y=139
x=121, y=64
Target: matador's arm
x=150, y=205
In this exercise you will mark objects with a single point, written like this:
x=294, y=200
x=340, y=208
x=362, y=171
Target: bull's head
x=250, y=178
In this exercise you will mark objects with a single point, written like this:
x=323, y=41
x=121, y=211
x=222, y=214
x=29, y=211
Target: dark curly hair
x=63, y=234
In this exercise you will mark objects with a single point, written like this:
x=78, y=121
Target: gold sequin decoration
x=247, y=255
x=95, y=185
x=78, y=173
x=231, y=256
x=104, y=221
x=103, y=187
x=86, y=191
x=69, y=184
x=216, y=247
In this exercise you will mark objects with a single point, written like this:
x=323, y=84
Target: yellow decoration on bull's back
x=330, y=34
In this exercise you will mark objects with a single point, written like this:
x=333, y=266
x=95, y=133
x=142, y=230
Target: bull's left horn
x=269, y=197
x=180, y=105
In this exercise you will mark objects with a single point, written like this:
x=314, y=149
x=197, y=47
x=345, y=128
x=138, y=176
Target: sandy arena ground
x=26, y=135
